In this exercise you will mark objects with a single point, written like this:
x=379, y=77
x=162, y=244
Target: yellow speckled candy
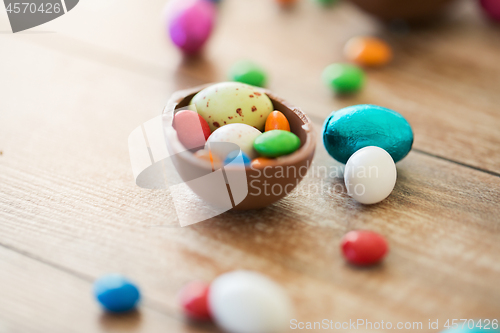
x=232, y=102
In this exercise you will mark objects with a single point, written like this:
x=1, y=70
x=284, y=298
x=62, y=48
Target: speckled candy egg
x=233, y=102
x=249, y=302
x=350, y=129
x=241, y=135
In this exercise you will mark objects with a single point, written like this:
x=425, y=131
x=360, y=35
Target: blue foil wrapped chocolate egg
x=355, y=127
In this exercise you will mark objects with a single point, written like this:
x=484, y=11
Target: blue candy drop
x=116, y=293
x=232, y=155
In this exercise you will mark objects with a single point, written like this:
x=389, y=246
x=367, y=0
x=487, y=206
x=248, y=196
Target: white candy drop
x=370, y=175
x=241, y=135
x=248, y=302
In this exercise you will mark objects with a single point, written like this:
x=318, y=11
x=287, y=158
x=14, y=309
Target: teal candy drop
x=355, y=127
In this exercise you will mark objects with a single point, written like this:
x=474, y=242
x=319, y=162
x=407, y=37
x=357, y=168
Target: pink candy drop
x=492, y=8
x=190, y=23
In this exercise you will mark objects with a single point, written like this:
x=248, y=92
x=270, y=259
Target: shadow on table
x=194, y=70
x=129, y=321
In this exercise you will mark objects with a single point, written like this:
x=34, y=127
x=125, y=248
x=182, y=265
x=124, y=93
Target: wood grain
x=69, y=210
x=40, y=298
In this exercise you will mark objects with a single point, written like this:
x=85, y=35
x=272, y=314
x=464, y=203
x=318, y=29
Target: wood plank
x=67, y=198
x=443, y=240
x=40, y=298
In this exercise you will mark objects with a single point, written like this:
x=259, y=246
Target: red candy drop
x=192, y=130
x=363, y=247
x=194, y=300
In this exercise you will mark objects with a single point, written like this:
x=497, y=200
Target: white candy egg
x=233, y=102
x=239, y=134
x=370, y=175
x=249, y=302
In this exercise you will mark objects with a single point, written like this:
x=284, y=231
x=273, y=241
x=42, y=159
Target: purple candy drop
x=190, y=23
x=492, y=8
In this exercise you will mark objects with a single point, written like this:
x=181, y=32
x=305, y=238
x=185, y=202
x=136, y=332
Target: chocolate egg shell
x=403, y=9
x=258, y=183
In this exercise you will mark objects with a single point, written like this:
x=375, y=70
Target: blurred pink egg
x=190, y=23
x=492, y=8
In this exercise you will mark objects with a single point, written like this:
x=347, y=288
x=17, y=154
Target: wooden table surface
x=73, y=89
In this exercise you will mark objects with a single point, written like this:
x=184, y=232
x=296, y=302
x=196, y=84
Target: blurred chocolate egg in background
x=411, y=11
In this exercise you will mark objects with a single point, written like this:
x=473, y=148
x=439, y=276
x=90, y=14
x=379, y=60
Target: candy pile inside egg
x=228, y=119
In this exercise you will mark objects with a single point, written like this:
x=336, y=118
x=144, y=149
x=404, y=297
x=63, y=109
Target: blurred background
x=74, y=88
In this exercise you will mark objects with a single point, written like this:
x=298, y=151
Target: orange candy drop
x=261, y=162
x=277, y=121
x=286, y=2
x=208, y=156
x=368, y=51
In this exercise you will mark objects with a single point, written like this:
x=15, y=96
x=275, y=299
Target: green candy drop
x=276, y=143
x=326, y=2
x=246, y=71
x=344, y=78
